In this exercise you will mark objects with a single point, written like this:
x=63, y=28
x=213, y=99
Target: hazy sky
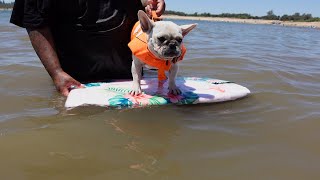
x=253, y=7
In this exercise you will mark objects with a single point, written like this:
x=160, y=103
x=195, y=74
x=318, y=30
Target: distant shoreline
x=235, y=20
x=246, y=21
x=5, y=9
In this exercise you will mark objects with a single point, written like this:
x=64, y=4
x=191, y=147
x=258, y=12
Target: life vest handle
x=155, y=17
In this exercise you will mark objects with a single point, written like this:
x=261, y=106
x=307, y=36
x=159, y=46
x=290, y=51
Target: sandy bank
x=247, y=21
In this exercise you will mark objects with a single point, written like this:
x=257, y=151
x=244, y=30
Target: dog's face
x=164, y=37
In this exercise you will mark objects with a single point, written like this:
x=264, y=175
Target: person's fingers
x=64, y=91
x=156, y=5
x=148, y=10
x=160, y=8
x=77, y=84
x=153, y=4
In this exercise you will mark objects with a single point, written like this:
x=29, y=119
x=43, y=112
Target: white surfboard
x=194, y=90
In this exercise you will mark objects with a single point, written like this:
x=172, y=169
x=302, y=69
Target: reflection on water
x=272, y=134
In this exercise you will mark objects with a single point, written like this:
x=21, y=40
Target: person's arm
x=42, y=42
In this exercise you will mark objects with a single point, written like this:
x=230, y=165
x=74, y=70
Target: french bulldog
x=164, y=42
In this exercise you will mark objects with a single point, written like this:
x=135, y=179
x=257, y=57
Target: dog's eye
x=179, y=40
x=161, y=39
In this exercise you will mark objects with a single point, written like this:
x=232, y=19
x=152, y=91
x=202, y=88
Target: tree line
x=269, y=16
x=4, y=5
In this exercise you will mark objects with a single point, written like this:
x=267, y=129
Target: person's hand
x=157, y=5
x=64, y=83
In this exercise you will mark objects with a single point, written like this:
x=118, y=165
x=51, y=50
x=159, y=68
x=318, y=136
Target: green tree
x=271, y=16
x=285, y=17
x=270, y=13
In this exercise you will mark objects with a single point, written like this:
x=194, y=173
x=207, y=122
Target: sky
x=253, y=7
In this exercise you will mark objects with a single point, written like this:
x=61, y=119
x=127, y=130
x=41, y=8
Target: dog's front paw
x=136, y=91
x=174, y=90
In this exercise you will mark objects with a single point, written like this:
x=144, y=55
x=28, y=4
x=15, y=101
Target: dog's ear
x=187, y=28
x=145, y=22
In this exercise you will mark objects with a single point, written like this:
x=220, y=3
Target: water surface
x=272, y=134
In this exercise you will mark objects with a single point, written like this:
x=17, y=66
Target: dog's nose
x=172, y=46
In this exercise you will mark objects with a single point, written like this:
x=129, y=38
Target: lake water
x=272, y=134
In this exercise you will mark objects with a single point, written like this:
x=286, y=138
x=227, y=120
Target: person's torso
x=91, y=36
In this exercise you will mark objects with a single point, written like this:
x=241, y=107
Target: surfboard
x=115, y=94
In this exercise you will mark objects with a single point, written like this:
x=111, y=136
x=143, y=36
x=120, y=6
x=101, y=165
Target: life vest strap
x=155, y=17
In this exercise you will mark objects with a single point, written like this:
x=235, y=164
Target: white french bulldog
x=164, y=41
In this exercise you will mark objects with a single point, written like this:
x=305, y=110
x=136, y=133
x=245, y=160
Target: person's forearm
x=42, y=42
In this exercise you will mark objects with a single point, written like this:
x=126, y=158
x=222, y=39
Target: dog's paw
x=135, y=92
x=175, y=91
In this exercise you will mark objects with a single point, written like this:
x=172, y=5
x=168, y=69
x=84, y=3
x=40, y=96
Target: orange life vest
x=139, y=48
